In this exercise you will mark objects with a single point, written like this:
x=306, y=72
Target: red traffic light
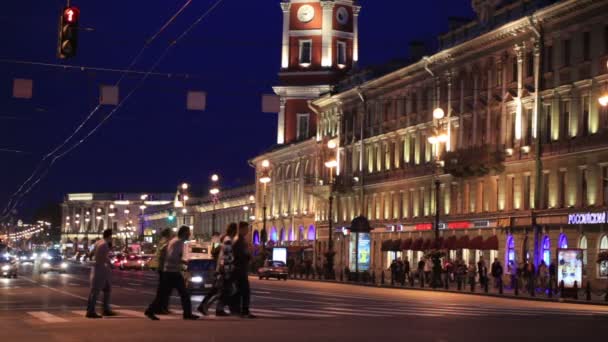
x=71, y=15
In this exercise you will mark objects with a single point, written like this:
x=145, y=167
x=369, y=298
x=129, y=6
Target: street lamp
x=330, y=164
x=214, y=191
x=264, y=179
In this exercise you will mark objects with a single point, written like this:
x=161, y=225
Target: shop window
x=603, y=271
x=466, y=255
x=563, y=241
x=547, y=250
x=256, y=238
x=583, y=245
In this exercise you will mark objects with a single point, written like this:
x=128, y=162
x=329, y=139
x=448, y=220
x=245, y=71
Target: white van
x=196, y=250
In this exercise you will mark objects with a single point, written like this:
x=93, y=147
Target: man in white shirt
x=100, y=276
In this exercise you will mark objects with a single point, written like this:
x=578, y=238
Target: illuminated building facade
x=522, y=149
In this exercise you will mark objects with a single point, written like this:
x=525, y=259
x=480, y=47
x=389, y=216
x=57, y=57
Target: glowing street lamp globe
x=603, y=100
x=215, y=178
x=438, y=113
x=265, y=163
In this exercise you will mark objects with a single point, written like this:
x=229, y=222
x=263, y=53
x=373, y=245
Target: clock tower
x=320, y=44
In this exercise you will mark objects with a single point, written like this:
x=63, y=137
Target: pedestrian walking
x=394, y=266
x=428, y=267
x=160, y=305
x=543, y=276
x=496, y=271
x=242, y=256
x=406, y=269
x=461, y=272
x=172, y=273
x=421, y=270
x=224, y=287
x=471, y=272
x=482, y=270
x=101, y=276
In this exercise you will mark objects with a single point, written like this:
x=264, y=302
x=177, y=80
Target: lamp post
x=214, y=191
x=436, y=140
x=264, y=179
x=143, y=207
x=330, y=164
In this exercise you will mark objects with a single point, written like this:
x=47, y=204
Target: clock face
x=342, y=15
x=306, y=13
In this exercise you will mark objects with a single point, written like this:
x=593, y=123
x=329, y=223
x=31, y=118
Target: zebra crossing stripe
x=288, y=313
x=338, y=312
x=391, y=312
x=47, y=317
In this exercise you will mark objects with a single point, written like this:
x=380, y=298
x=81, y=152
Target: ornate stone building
x=514, y=159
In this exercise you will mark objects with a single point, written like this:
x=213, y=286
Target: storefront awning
x=417, y=245
x=406, y=244
x=396, y=245
x=427, y=244
x=450, y=243
x=463, y=242
x=476, y=243
x=491, y=243
x=438, y=243
x=386, y=245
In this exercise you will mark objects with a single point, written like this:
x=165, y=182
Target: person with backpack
x=223, y=288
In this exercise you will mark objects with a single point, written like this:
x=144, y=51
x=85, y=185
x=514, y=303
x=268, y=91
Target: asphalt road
x=51, y=307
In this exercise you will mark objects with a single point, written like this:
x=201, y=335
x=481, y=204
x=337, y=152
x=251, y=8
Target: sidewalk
x=597, y=297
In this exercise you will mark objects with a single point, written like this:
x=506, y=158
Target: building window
x=586, y=46
x=563, y=187
x=529, y=124
x=341, y=54
x=514, y=70
x=510, y=254
x=565, y=120
x=604, y=182
x=566, y=52
x=585, y=117
x=526, y=193
x=603, y=271
x=305, y=52
x=303, y=126
x=513, y=128
x=548, y=124
x=546, y=250
x=563, y=241
x=512, y=193
x=583, y=245
x=584, y=191
x=530, y=65
x=545, y=194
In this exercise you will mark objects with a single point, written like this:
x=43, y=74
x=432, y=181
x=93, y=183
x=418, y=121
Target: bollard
x=373, y=277
x=472, y=282
x=561, y=289
x=485, y=286
x=382, y=279
x=516, y=287
x=576, y=289
x=588, y=291
x=500, y=287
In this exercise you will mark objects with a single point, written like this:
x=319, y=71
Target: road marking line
x=47, y=317
x=280, y=312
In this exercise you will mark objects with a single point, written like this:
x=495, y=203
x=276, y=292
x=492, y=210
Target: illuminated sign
x=481, y=224
x=587, y=218
x=570, y=267
x=279, y=254
x=80, y=197
x=459, y=225
x=424, y=226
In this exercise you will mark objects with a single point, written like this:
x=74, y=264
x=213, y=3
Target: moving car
x=26, y=257
x=199, y=275
x=8, y=267
x=117, y=259
x=273, y=269
x=132, y=262
x=54, y=264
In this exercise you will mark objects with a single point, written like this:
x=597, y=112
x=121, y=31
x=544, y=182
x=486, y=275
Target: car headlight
x=46, y=265
x=34, y=256
x=45, y=256
x=23, y=258
x=64, y=265
x=196, y=279
x=6, y=267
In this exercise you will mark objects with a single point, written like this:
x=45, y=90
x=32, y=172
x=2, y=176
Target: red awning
x=476, y=242
x=396, y=245
x=463, y=242
x=428, y=244
x=386, y=244
x=438, y=244
x=450, y=242
x=417, y=245
x=491, y=243
x=406, y=244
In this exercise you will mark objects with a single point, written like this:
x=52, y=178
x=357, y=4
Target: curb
x=481, y=294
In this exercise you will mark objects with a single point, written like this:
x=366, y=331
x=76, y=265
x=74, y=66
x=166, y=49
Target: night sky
x=153, y=142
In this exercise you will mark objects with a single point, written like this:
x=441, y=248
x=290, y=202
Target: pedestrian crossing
x=344, y=311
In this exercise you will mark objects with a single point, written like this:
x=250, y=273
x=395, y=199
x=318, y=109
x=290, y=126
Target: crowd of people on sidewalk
x=231, y=288
x=523, y=276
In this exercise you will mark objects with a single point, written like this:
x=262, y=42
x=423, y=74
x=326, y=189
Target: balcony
x=577, y=144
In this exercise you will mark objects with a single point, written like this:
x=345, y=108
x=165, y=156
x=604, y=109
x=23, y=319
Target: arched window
x=256, y=238
x=547, y=250
x=311, y=233
x=563, y=241
x=273, y=234
x=604, y=264
x=282, y=235
x=582, y=244
x=301, y=234
x=510, y=250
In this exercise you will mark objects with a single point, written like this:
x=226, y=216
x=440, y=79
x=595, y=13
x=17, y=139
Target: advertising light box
x=279, y=254
x=570, y=267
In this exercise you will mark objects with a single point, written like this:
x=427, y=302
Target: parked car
x=8, y=267
x=273, y=269
x=199, y=275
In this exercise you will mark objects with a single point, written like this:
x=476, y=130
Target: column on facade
x=356, y=11
x=327, y=26
x=489, y=131
x=475, y=76
x=448, y=145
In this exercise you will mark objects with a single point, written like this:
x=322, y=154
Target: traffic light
x=68, y=32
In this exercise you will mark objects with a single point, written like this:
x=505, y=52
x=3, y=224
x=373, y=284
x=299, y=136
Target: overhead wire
x=12, y=203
